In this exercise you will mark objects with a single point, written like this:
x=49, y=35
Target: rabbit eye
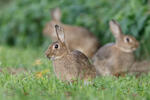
x=56, y=46
x=127, y=39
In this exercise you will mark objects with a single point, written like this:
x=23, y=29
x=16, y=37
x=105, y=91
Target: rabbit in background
x=69, y=65
x=140, y=67
x=77, y=38
x=116, y=58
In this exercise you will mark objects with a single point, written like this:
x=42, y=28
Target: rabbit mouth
x=56, y=57
x=128, y=50
x=49, y=57
x=52, y=58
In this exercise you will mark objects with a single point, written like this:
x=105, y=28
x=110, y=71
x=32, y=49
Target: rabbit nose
x=48, y=56
x=47, y=53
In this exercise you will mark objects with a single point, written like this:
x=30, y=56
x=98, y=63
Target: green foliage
x=23, y=20
x=30, y=87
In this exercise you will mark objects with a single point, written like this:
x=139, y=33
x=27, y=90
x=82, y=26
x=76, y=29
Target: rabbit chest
x=65, y=68
x=122, y=61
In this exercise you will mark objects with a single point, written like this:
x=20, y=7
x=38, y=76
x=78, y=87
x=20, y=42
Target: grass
x=40, y=83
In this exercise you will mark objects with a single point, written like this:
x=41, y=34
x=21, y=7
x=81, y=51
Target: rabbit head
x=55, y=19
x=125, y=43
x=59, y=48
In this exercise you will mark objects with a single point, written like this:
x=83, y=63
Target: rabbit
x=68, y=65
x=140, y=67
x=78, y=38
x=116, y=58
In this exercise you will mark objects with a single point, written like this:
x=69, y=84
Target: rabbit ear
x=56, y=14
x=60, y=33
x=115, y=28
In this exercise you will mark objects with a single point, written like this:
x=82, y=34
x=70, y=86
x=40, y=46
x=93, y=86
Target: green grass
x=46, y=87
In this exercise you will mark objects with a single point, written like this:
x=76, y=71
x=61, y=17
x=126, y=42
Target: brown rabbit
x=140, y=67
x=68, y=65
x=77, y=38
x=116, y=58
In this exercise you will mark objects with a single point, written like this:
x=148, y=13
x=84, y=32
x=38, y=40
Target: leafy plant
x=23, y=20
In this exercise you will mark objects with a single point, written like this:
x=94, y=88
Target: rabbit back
x=140, y=67
x=74, y=65
x=109, y=60
x=86, y=69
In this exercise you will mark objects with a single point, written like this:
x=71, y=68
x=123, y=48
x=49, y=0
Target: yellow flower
x=37, y=62
x=40, y=74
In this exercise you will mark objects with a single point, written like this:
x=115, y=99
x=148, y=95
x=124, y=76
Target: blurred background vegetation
x=22, y=21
